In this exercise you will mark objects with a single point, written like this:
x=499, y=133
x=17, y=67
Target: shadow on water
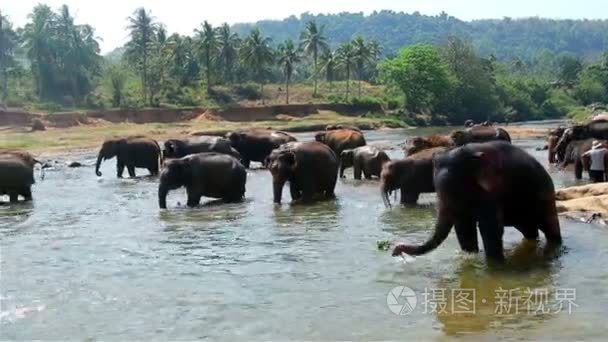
x=509, y=297
x=321, y=216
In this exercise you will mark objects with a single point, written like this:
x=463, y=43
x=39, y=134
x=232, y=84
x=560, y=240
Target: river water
x=94, y=258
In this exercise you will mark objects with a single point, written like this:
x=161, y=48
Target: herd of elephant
x=567, y=146
x=479, y=177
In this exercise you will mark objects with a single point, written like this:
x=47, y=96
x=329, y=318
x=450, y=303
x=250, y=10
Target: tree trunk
x=208, y=67
x=262, y=91
x=315, y=57
x=287, y=90
x=347, y=81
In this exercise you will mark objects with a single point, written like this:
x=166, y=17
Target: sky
x=109, y=17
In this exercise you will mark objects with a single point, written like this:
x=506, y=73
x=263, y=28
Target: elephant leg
x=367, y=175
x=131, y=170
x=194, y=198
x=154, y=169
x=120, y=168
x=294, y=191
x=408, y=197
x=491, y=228
x=578, y=169
x=530, y=232
x=357, y=171
x=13, y=197
x=246, y=163
x=466, y=232
x=27, y=194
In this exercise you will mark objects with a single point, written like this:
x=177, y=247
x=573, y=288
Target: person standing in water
x=596, y=159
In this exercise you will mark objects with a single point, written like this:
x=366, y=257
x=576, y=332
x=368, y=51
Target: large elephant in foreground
x=311, y=168
x=365, y=159
x=212, y=175
x=478, y=134
x=341, y=139
x=178, y=148
x=256, y=145
x=492, y=185
x=17, y=174
x=412, y=175
x=130, y=152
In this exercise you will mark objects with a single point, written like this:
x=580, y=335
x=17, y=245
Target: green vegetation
x=491, y=69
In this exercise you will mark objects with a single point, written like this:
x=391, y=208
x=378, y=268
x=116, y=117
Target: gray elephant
x=178, y=148
x=130, y=152
x=311, y=168
x=478, y=134
x=210, y=174
x=365, y=159
x=256, y=145
x=17, y=174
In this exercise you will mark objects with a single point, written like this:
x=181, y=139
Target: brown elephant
x=341, y=139
x=256, y=145
x=335, y=127
x=17, y=174
x=130, y=152
x=552, y=140
x=311, y=168
x=365, y=159
x=412, y=175
x=418, y=144
x=493, y=185
x=210, y=174
x=478, y=134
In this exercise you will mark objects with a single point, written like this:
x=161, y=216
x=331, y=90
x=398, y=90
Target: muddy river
x=94, y=258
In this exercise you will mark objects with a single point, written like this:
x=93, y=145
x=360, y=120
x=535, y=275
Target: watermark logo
x=401, y=300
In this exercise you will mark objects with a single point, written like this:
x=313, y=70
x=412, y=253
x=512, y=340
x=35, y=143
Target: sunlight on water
x=94, y=258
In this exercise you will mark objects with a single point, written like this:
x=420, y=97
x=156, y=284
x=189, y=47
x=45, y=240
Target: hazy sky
x=109, y=17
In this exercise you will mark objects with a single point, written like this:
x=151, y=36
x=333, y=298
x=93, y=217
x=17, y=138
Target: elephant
x=552, y=140
x=412, y=175
x=311, y=168
x=178, y=148
x=366, y=159
x=493, y=184
x=130, y=152
x=208, y=174
x=341, y=139
x=17, y=175
x=596, y=129
x=335, y=127
x=418, y=144
x=574, y=155
x=477, y=134
x=256, y=145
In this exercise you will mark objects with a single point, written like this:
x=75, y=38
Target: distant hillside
x=506, y=39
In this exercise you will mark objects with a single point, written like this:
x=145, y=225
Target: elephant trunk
x=442, y=229
x=100, y=156
x=162, y=196
x=277, y=186
x=384, y=192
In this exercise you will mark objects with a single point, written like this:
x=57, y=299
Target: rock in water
x=74, y=164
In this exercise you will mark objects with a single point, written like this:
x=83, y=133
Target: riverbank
x=92, y=133
x=588, y=203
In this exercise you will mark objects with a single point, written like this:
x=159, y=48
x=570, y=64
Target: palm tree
x=207, y=48
x=228, y=45
x=329, y=61
x=256, y=54
x=7, y=45
x=142, y=29
x=362, y=57
x=346, y=58
x=38, y=46
x=288, y=57
x=313, y=42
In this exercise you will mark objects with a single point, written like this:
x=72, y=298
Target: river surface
x=94, y=258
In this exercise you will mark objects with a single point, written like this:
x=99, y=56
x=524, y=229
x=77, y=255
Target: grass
x=91, y=136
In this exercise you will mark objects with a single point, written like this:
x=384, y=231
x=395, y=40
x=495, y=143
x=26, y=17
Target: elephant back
x=15, y=170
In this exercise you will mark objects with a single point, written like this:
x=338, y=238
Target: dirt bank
x=588, y=202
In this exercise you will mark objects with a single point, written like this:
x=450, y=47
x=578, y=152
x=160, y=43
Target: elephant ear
x=289, y=158
x=487, y=175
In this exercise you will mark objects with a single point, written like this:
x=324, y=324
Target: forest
x=423, y=69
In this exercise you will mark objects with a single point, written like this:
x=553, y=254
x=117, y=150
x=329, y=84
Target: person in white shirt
x=596, y=159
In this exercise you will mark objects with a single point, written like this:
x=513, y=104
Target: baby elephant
x=366, y=159
x=210, y=174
